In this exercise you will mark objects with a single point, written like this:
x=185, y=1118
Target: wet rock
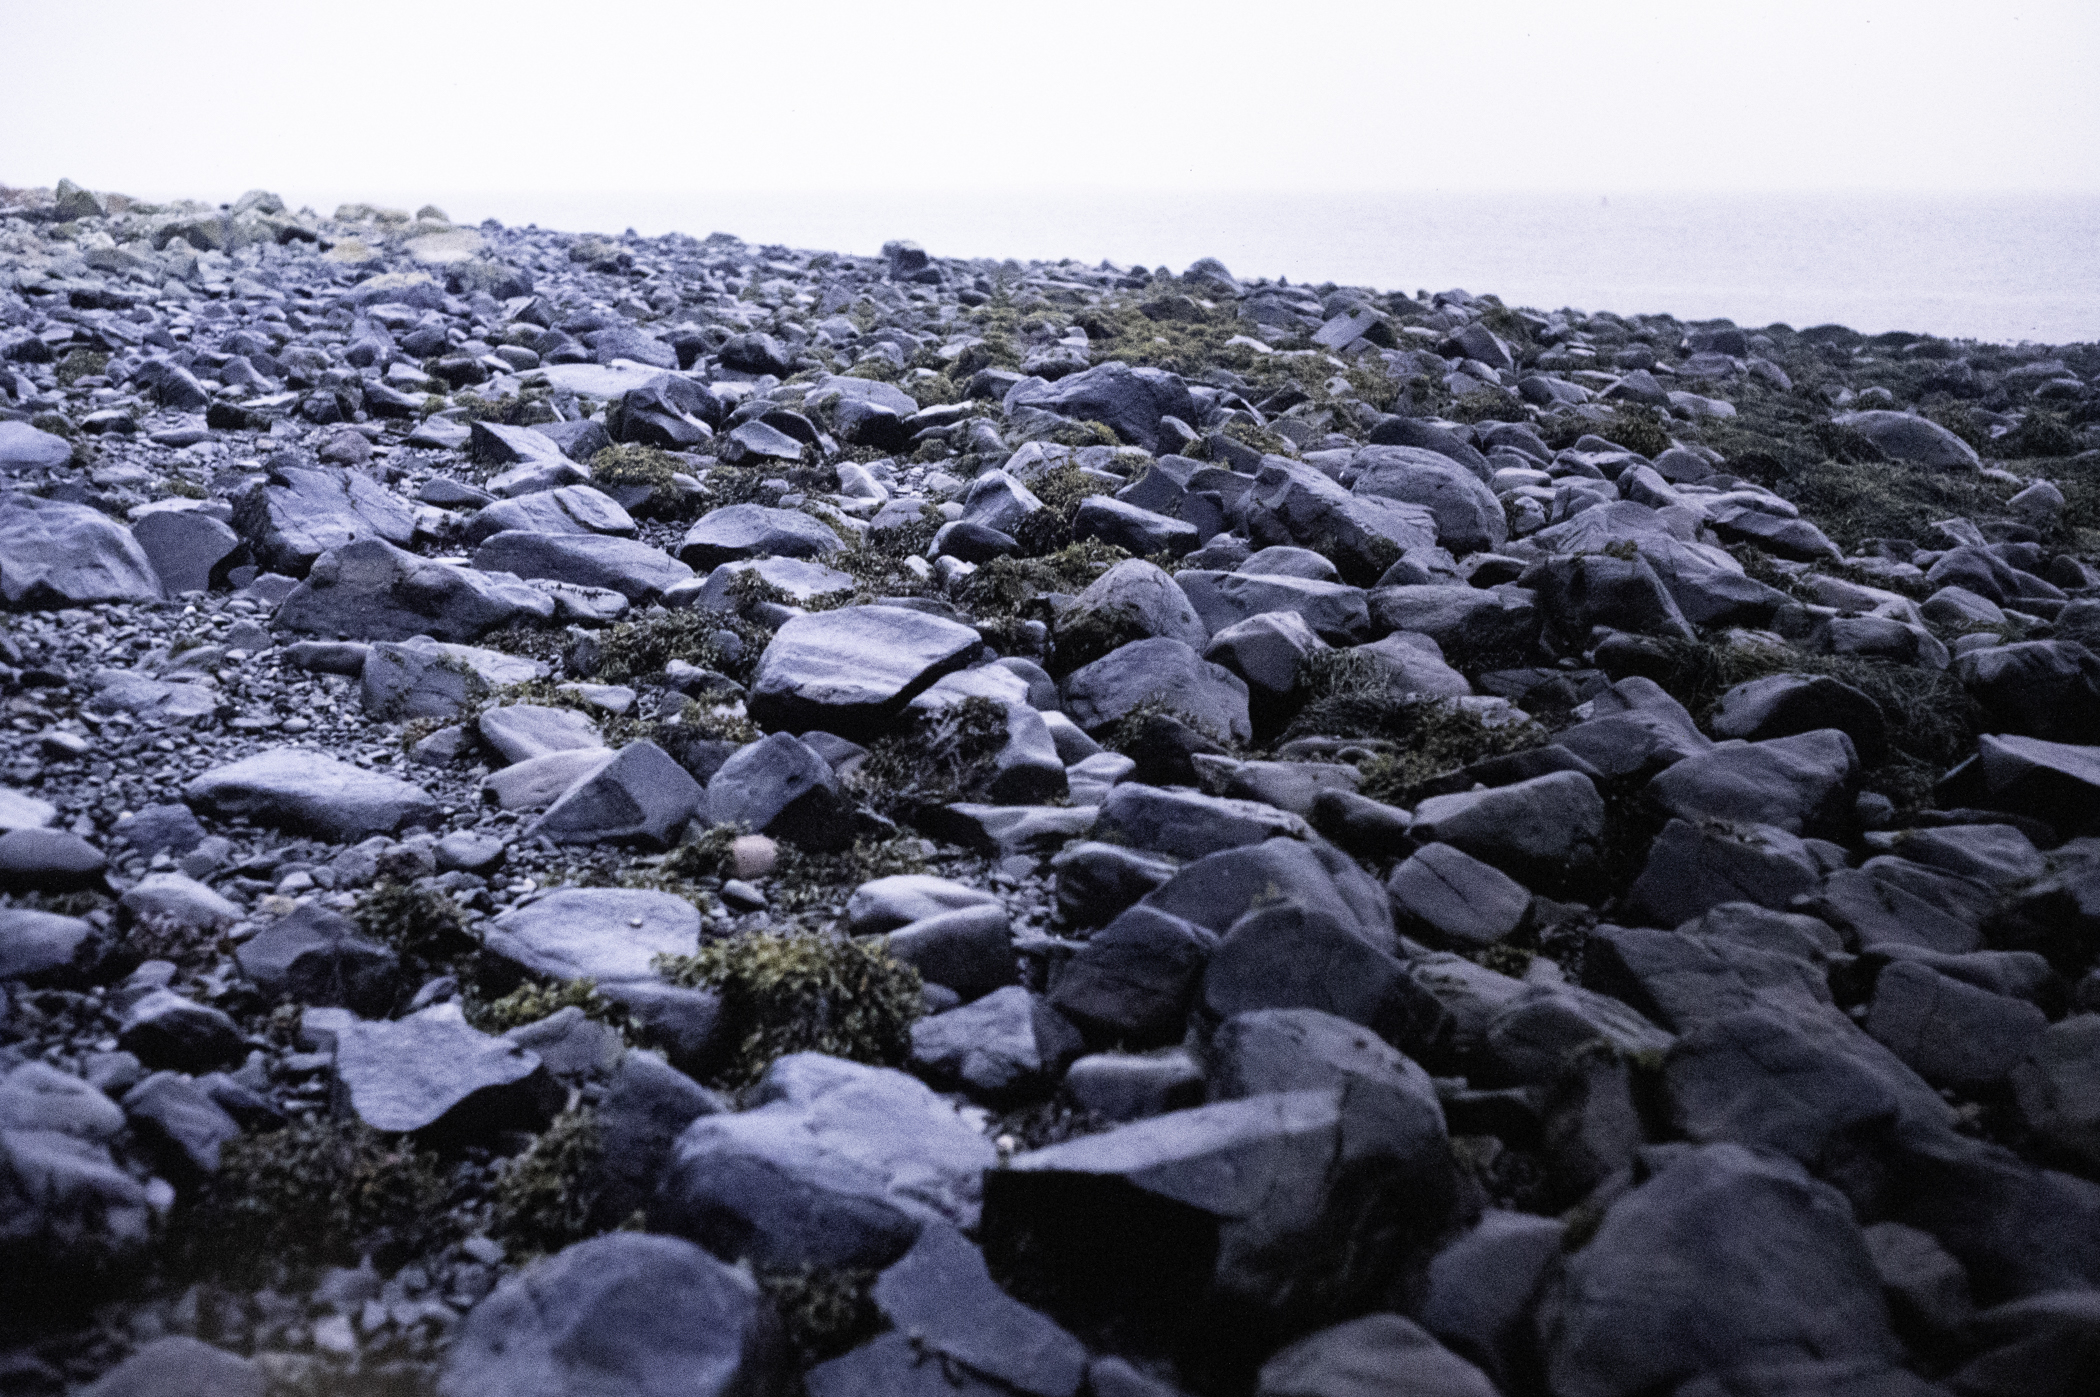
x=1800, y=784
x=1694, y=867
x=1132, y=600
x=1784, y=705
x=884, y=904
x=1362, y=534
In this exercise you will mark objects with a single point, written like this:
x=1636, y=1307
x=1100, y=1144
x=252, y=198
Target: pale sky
x=445, y=101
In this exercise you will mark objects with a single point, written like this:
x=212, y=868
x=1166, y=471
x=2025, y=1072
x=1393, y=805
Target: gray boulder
x=1130, y=402
x=1215, y=892
x=431, y=1072
x=25, y=448
x=572, y=509
x=634, y=569
x=188, y=549
x=521, y=731
x=780, y=784
x=371, y=590
x=642, y=796
x=57, y=555
x=1951, y=1033
x=1187, y=824
x=1135, y=530
x=1549, y=821
x=1336, y=613
x=622, y=1315
x=1693, y=867
x=316, y=956
x=1370, y=1357
x=179, y=1366
x=1269, y=652
x=2057, y=1088
x=296, y=514
x=1801, y=784
x=1468, y=516
x=831, y=1164
x=1131, y=601
x=1905, y=436
x=1363, y=534
x=1134, y=981
x=1005, y=1047
x=852, y=670
x=1662, y=1294
x=1458, y=899
x=605, y=934
x=2048, y=689
x=1463, y=621
x=1783, y=705
x=969, y=950
x=424, y=678
x=1160, y=671
x=44, y=948
x=294, y=789
x=941, y=1295
x=741, y=531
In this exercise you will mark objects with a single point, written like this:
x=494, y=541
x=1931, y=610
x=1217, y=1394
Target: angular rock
x=1801, y=784
x=1458, y=898
x=1784, y=705
x=55, y=555
x=1130, y=402
x=424, y=678
x=295, y=515
x=371, y=590
x=851, y=670
x=1547, y=821
x=623, y=1315
x=1134, y=981
x=1468, y=517
x=634, y=569
x=831, y=1164
x=603, y=934
x=642, y=796
x=522, y=731
x=1367, y=1357
x=1950, y=1033
x=572, y=509
x=1362, y=534
x=969, y=950
x=179, y=1366
x=431, y=1072
x=304, y=792
x=1005, y=1047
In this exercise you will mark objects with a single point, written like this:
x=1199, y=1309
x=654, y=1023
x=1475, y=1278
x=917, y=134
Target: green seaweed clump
x=824, y=1310
x=646, y=466
x=530, y=1002
x=316, y=1193
x=805, y=992
x=1062, y=490
x=944, y=757
x=635, y=649
x=546, y=1199
x=424, y=924
x=81, y=363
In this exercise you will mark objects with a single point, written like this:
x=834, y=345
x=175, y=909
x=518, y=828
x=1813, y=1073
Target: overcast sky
x=446, y=101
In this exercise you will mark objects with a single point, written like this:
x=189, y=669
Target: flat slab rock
x=303, y=791
x=851, y=670
x=432, y=1068
x=603, y=934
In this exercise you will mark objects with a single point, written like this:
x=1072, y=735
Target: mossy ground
x=426, y=926
x=943, y=757
x=316, y=1193
x=545, y=1200
x=805, y=992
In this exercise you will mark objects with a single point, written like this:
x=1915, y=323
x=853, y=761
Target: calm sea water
x=2000, y=268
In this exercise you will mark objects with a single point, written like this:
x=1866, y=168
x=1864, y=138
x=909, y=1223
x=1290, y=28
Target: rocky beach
x=644, y=816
